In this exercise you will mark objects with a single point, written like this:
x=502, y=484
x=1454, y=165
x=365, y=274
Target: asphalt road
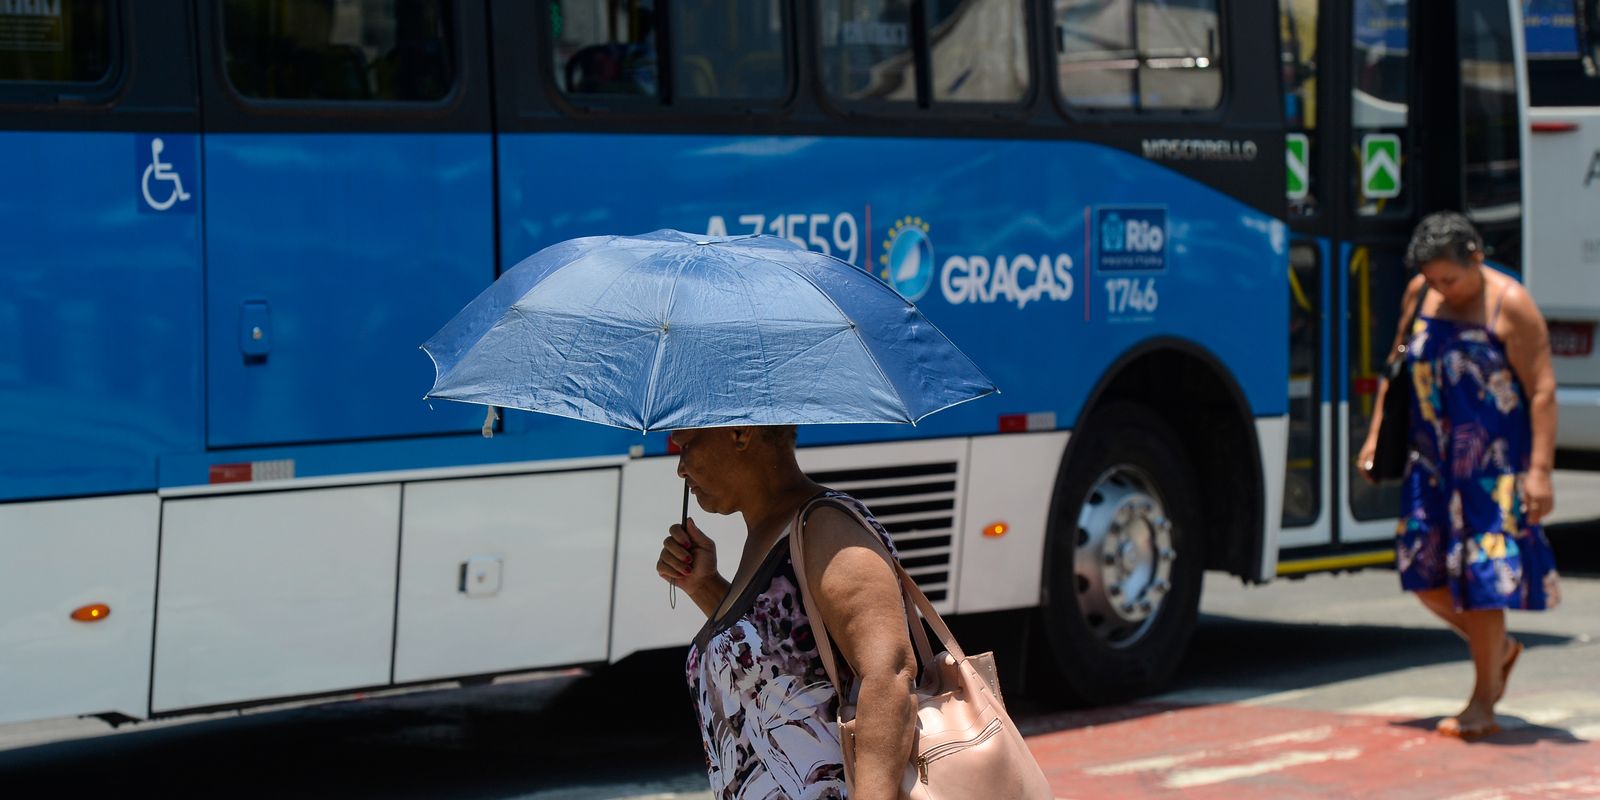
x=1329, y=666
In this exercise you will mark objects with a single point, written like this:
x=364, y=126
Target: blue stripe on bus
x=977, y=198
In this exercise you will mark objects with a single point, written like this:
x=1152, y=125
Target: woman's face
x=711, y=460
x=1459, y=284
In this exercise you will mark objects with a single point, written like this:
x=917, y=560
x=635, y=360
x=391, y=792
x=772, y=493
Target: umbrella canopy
x=670, y=330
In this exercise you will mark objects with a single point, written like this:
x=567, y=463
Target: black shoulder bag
x=1394, y=433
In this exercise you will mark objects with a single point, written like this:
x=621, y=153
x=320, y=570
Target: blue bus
x=229, y=223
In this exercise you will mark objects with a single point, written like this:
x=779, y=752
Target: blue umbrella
x=670, y=330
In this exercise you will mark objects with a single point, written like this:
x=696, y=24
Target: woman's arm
x=1527, y=341
x=858, y=595
x=1414, y=292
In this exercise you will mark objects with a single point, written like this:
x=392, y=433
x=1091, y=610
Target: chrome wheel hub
x=1124, y=554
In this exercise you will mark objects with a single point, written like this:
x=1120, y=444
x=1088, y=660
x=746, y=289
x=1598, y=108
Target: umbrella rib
x=905, y=407
x=661, y=348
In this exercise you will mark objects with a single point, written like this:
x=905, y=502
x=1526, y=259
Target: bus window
x=867, y=50
x=1493, y=144
x=605, y=47
x=345, y=50
x=978, y=51
x=732, y=49
x=1297, y=38
x=1138, y=54
x=1379, y=104
x=68, y=41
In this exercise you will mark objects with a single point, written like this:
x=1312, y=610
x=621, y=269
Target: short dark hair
x=782, y=435
x=1443, y=234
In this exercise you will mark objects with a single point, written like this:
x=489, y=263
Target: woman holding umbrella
x=765, y=703
x=730, y=343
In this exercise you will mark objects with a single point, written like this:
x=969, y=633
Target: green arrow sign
x=1298, y=154
x=1380, y=165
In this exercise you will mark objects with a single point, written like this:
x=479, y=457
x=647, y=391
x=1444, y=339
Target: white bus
x=1563, y=270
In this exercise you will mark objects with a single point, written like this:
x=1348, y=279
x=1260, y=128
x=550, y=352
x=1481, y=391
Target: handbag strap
x=912, y=597
x=1411, y=322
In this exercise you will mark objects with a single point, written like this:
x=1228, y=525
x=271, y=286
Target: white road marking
x=1205, y=776
x=1580, y=787
x=1161, y=763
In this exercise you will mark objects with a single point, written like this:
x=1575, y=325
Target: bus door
x=349, y=214
x=1401, y=124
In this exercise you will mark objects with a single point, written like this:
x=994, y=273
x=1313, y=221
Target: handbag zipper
x=936, y=753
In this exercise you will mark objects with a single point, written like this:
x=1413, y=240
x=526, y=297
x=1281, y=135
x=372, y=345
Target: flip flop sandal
x=1454, y=731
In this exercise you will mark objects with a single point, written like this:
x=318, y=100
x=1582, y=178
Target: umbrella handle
x=672, y=588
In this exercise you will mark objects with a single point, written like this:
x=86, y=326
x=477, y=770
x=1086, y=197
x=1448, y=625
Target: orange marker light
x=91, y=613
x=996, y=530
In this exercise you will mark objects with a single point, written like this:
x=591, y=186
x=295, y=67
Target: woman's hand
x=1365, y=461
x=688, y=559
x=1538, y=497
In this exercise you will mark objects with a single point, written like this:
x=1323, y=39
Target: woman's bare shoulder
x=1518, y=309
x=831, y=530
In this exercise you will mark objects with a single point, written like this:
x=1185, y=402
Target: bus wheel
x=1124, y=562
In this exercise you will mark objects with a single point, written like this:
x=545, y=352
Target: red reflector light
x=1552, y=126
x=1571, y=339
x=1363, y=386
x=672, y=447
x=231, y=473
x=91, y=613
x=1013, y=423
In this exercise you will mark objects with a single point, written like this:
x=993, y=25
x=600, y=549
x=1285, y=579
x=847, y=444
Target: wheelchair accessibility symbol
x=162, y=172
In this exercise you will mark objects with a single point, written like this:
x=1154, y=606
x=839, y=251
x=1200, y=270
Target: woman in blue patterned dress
x=767, y=710
x=1482, y=432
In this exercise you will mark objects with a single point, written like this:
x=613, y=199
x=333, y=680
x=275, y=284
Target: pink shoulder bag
x=966, y=746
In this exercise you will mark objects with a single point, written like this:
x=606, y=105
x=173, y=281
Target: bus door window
x=1380, y=105
x=867, y=50
x=1380, y=90
x=732, y=49
x=978, y=51
x=1302, y=495
x=1138, y=54
x=605, y=46
x=372, y=50
x=1493, y=145
x=63, y=42
x=1302, y=492
x=1297, y=21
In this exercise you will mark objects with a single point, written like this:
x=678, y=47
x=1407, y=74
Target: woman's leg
x=1443, y=606
x=1485, y=632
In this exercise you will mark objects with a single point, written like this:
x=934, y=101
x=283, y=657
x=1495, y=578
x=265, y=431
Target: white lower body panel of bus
x=234, y=595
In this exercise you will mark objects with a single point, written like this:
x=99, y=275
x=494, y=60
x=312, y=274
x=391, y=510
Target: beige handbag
x=965, y=745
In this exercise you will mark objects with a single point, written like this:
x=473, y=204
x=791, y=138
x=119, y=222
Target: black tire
x=1122, y=458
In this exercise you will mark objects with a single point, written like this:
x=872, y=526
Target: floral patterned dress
x=1463, y=524
x=768, y=714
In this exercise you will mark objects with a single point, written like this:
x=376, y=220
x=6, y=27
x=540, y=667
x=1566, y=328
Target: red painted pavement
x=1240, y=753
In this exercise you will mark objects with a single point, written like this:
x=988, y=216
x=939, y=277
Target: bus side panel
x=1011, y=481
x=59, y=557
x=275, y=595
x=99, y=305
x=348, y=250
x=508, y=573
